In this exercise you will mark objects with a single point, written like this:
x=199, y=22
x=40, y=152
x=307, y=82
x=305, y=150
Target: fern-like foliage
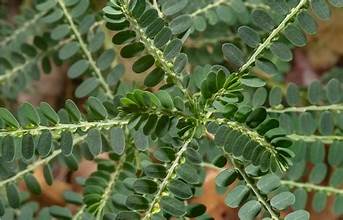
x=73, y=20
x=159, y=140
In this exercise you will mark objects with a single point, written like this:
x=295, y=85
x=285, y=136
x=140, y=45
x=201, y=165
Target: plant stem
x=312, y=138
x=85, y=50
x=272, y=36
x=254, y=189
x=35, y=165
x=166, y=180
x=22, y=29
x=61, y=127
x=248, y=182
x=335, y=107
x=108, y=191
x=309, y=187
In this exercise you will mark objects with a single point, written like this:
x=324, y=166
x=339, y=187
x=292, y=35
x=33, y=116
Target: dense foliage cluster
x=224, y=108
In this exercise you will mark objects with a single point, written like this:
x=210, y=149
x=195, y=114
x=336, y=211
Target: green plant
x=259, y=133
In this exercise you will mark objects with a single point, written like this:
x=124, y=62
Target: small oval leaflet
x=117, y=140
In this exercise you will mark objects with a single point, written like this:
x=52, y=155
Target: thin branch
x=252, y=134
x=251, y=185
x=108, y=191
x=85, y=50
x=329, y=139
x=151, y=48
x=9, y=74
x=273, y=35
x=248, y=181
x=84, y=125
x=24, y=27
x=225, y=2
x=209, y=7
x=79, y=213
x=335, y=107
x=166, y=180
x=30, y=168
x=312, y=187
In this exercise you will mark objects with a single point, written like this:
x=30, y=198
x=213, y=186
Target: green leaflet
x=8, y=118
x=32, y=184
x=319, y=201
x=94, y=141
x=49, y=113
x=249, y=210
x=72, y=197
x=299, y=214
x=235, y=197
x=66, y=143
x=282, y=51
x=268, y=183
x=234, y=55
x=336, y=3
x=28, y=116
x=249, y=36
x=48, y=176
x=282, y=200
x=173, y=7
x=180, y=189
x=68, y=50
x=8, y=151
x=195, y=210
x=263, y=20
x=226, y=177
x=97, y=108
x=117, y=140
x=87, y=87
x=137, y=202
x=60, y=212
x=321, y=9
x=318, y=173
x=307, y=23
x=295, y=35
x=173, y=206
x=155, y=171
x=143, y=64
x=145, y=186
x=27, y=147
x=60, y=32
x=181, y=24
x=78, y=69
x=13, y=195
